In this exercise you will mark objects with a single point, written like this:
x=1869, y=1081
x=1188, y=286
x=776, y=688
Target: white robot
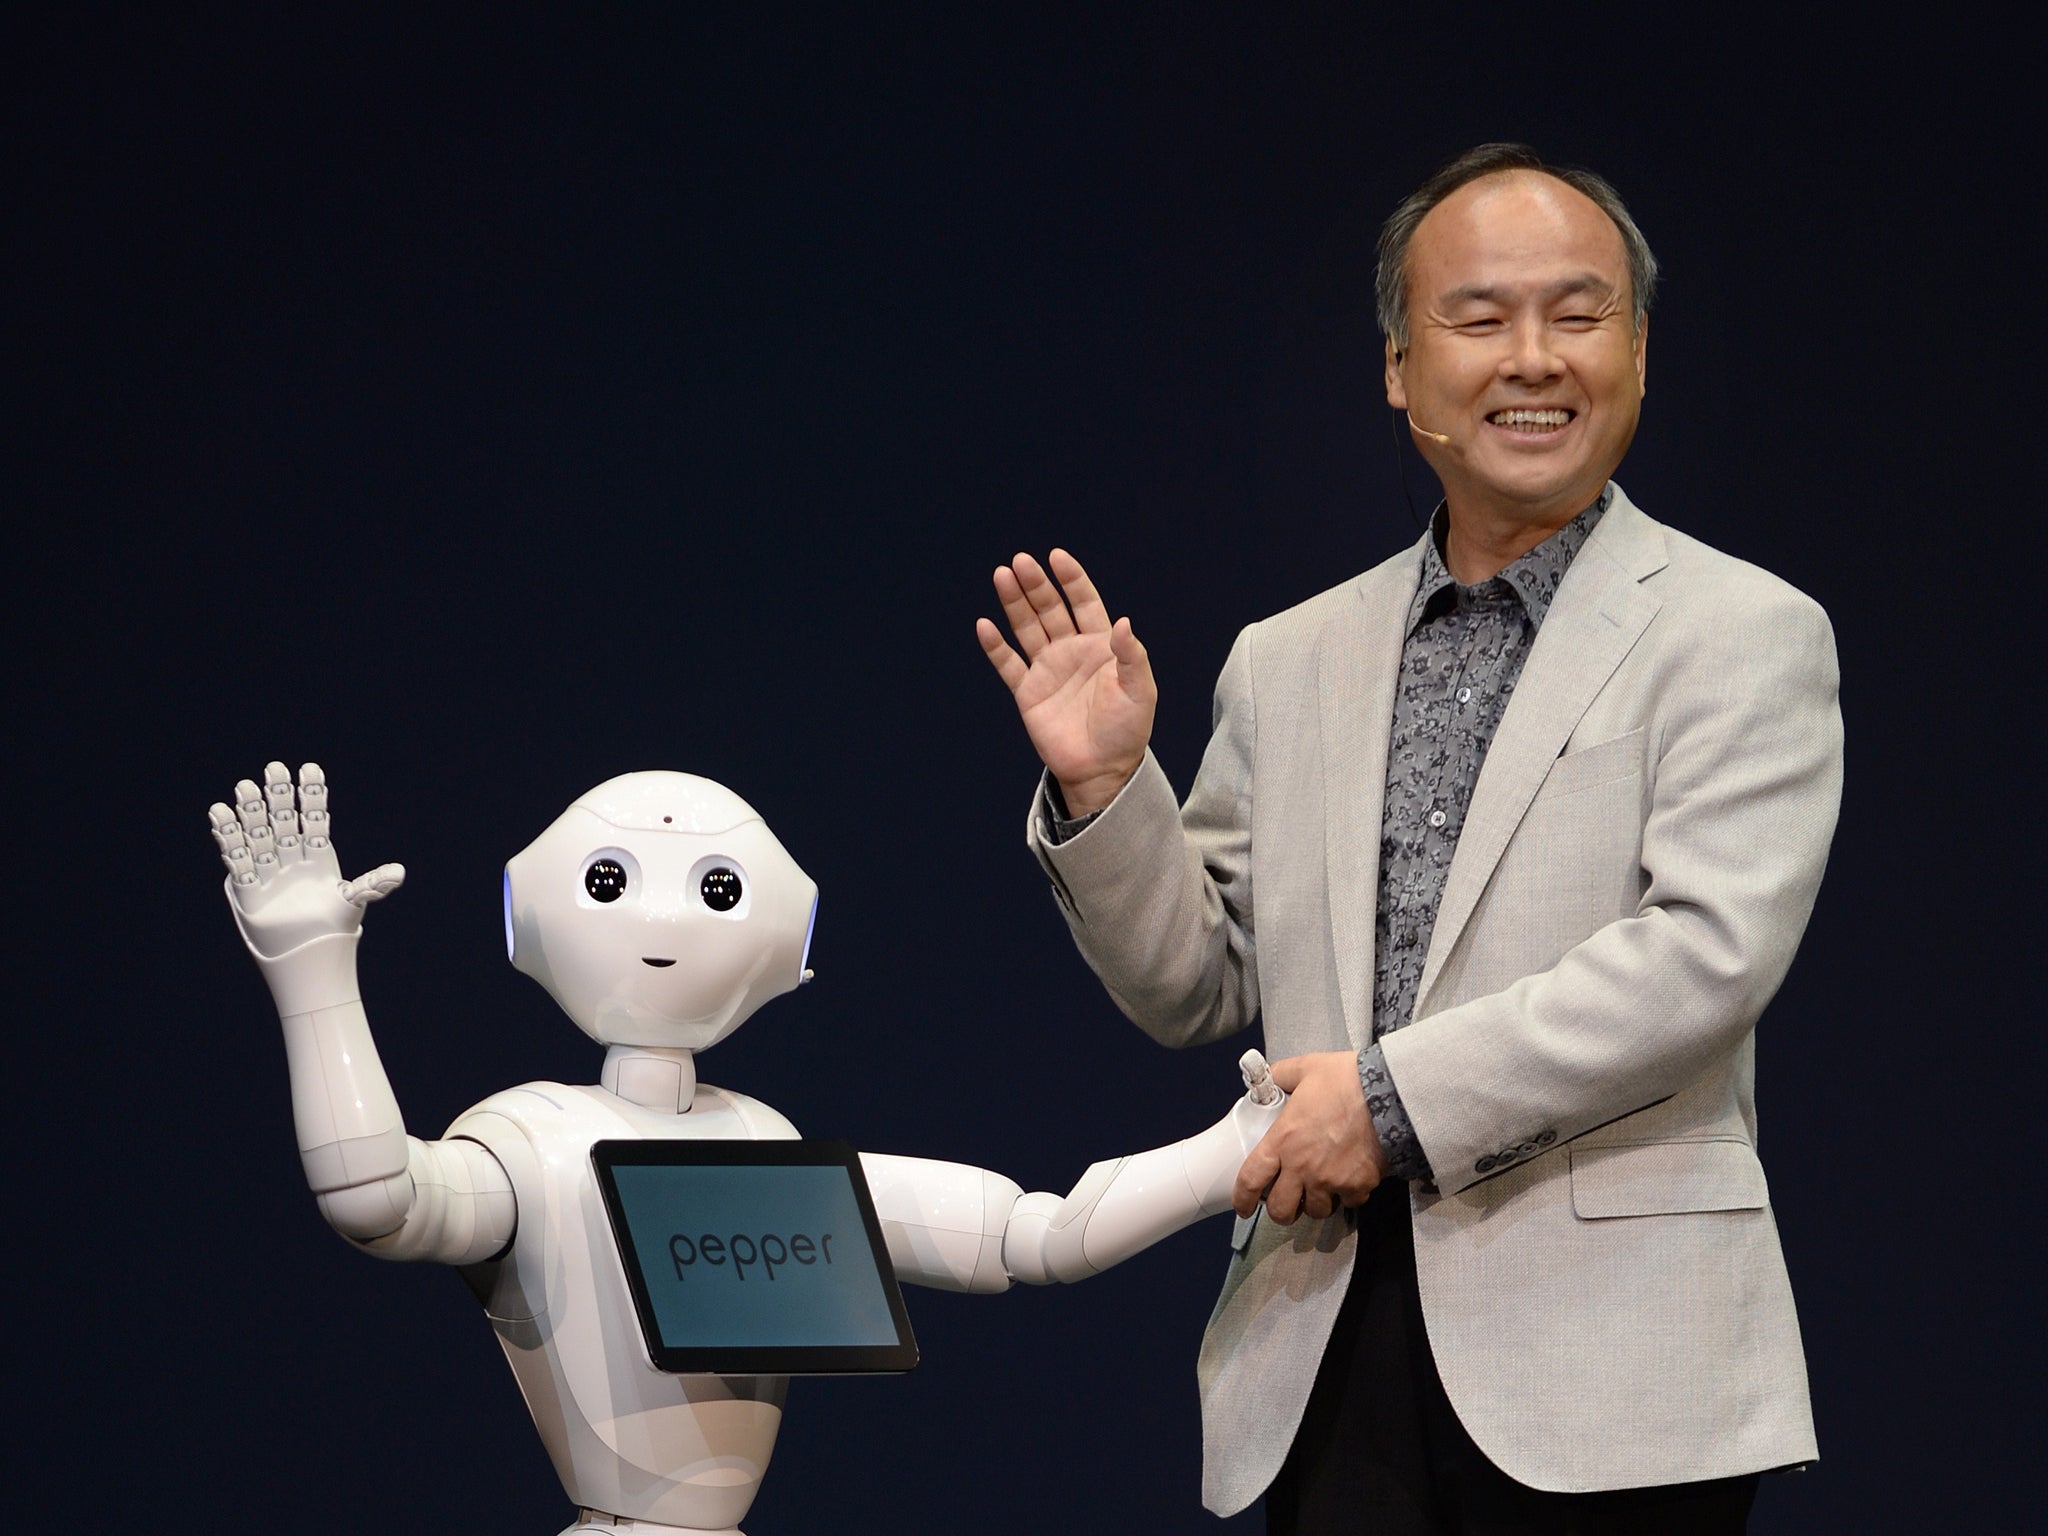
x=659, y=911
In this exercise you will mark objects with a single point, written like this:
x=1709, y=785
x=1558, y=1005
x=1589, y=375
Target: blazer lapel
x=1358, y=664
x=1599, y=613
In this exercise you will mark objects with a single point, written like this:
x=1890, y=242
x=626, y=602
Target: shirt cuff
x=1054, y=824
x=1405, y=1157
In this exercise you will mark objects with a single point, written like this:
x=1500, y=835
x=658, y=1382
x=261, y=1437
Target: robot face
x=659, y=910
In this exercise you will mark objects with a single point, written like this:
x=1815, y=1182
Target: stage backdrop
x=483, y=404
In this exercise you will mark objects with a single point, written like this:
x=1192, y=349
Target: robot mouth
x=657, y=964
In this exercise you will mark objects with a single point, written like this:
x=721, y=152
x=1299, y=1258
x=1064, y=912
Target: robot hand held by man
x=660, y=912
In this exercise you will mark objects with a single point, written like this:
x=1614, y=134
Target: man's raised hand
x=1083, y=685
x=283, y=876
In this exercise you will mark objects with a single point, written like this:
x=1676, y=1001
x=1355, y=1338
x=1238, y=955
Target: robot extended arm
x=961, y=1228
x=388, y=1192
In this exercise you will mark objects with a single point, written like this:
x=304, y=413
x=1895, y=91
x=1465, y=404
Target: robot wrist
x=320, y=973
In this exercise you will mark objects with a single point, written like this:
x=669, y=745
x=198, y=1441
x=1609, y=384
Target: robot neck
x=652, y=1076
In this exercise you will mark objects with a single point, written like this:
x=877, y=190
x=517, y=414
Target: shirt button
x=1464, y=695
x=1437, y=818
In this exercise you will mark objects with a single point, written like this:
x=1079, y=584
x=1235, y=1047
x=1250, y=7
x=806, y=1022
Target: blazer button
x=1546, y=1138
x=1484, y=1165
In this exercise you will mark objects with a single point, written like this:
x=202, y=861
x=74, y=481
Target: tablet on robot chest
x=759, y=1258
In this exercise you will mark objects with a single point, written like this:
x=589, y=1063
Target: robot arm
x=384, y=1190
x=966, y=1229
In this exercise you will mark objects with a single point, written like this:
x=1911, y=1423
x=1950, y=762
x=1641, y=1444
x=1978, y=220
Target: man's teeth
x=1530, y=418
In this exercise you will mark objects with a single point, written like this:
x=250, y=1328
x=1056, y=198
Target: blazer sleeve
x=1738, y=819
x=1159, y=896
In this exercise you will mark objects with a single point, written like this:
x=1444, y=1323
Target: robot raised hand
x=660, y=912
x=283, y=877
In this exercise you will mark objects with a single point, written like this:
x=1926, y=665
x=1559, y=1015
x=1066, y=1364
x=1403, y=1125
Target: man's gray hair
x=1391, y=281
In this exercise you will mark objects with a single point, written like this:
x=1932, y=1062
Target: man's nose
x=1531, y=356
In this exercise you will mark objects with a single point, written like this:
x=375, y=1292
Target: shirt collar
x=1533, y=578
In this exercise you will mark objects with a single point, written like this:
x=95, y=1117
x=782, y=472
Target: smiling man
x=1506, y=844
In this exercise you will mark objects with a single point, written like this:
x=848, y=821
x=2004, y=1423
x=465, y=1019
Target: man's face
x=1522, y=348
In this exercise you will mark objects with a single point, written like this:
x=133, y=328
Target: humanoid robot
x=659, y=911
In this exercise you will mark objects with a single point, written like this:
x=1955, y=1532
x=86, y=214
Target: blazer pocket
x=1620, y=757
x=1663, y=1178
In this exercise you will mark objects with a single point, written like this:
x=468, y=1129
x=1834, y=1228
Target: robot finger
x=289, y=849
x=313, y=804
x=241, y=868
x=228, y=838
x=250, y=805
x=374, y=886
x=262, y=845
x=1259, y=1086
x=226, y=827
x=277, y=788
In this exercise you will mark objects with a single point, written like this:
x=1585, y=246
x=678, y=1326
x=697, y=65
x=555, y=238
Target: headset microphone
x=1442, y=437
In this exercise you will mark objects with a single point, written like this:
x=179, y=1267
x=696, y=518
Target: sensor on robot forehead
x=660, y=801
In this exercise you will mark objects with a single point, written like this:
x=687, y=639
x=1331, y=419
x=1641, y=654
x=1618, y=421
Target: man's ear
x=1642, y=356
x=1397, y=390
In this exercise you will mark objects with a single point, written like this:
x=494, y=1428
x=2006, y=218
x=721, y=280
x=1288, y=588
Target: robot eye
x=721, y=889
x=605, y=880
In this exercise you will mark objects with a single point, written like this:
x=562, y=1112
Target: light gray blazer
x=1599, y=1267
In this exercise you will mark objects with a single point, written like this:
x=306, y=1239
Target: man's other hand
x=1322, y=1152
x=1082, y=684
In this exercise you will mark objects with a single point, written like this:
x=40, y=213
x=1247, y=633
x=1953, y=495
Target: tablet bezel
x=752, y=1360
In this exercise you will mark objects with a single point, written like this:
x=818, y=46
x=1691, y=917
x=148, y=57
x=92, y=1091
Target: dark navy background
x=483, y=403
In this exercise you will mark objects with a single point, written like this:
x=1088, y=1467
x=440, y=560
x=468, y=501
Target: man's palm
x=1082, y=684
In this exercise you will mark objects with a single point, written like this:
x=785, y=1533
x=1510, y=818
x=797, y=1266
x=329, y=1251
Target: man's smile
x=1526, y=422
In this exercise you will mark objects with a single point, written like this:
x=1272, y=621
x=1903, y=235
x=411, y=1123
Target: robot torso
x=624, y=1436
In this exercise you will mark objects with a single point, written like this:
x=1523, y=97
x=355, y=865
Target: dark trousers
x=1380, y=1451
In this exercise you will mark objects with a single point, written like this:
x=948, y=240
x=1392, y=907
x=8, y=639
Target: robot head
x=659, y=910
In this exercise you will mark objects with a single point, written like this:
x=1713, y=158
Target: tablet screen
x=754, y=1257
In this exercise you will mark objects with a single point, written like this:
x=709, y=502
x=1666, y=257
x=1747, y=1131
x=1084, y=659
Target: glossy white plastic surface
x=1125, y=1205
x=624, y=1437
x=617, y=966
x=697, y=918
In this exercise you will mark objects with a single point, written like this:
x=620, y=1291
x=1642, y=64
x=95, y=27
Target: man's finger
x=1133, y=671
x=1010, y=667
x=1017, y=609
x=1044, y=596
x=1289, y=1071
x=1283, y=1200
x=1090, y=616
x=1253, y=1175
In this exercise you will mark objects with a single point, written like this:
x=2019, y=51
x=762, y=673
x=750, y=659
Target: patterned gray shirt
x=1459, y=666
